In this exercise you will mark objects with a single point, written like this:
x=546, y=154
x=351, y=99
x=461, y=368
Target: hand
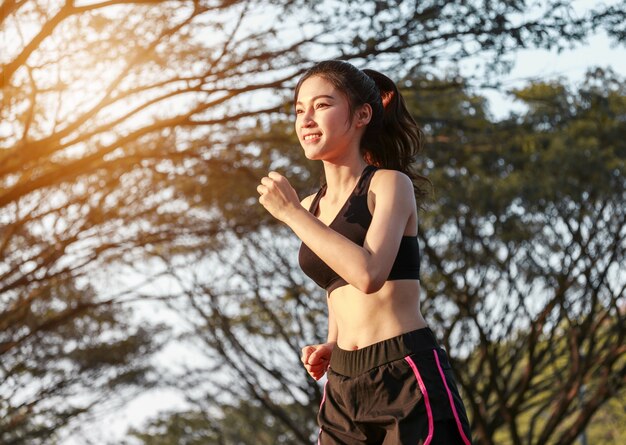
x=277, y=195
x=316, y=359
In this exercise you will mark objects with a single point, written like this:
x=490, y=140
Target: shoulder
x=392, y=183
x=306, y=202
x=392, y=197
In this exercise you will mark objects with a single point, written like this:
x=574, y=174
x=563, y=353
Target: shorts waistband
x=359, y=361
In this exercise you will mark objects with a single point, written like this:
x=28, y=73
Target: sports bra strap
x=353, y=221
x=316, y=200
x=364, y=181
x=361, y=187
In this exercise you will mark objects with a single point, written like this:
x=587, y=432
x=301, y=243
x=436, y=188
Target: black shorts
x=398, y=391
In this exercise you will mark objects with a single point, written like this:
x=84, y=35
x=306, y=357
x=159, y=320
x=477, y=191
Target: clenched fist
x=316, y=359
x=277, y=195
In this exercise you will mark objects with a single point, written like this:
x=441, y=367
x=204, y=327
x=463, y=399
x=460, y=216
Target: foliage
x=524, y=242
x=242, y=424
x=63, y=358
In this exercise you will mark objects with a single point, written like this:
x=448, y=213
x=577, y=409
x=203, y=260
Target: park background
x=145, y=296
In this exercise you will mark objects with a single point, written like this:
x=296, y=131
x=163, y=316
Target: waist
x=356, y=362
x=363, y=319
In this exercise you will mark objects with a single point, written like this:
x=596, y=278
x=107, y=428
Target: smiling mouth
x=310, y=137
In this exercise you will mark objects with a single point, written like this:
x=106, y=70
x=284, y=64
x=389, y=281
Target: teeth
x=311, y=136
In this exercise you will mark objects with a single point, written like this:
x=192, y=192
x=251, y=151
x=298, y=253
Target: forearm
x=364, y=267
x=332, y=248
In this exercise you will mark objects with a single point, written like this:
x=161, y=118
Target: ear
x=363, y=115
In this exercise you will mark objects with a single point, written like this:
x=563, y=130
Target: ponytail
x=392, y=139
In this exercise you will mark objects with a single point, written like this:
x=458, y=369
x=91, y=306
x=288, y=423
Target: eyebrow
x=318, y=97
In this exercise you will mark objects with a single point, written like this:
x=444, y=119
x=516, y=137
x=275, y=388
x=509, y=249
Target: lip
x=311, y=137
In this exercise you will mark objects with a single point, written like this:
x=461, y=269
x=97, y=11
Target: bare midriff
x=364, y=319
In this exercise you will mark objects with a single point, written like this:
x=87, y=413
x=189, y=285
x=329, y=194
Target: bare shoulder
x=306, y=202
x=392, y=184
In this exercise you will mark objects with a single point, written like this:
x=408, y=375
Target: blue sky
x=571, y=64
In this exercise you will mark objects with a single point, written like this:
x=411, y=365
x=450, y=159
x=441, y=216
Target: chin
x=312, y=155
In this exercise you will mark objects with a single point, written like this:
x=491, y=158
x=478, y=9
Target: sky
x=571, y=64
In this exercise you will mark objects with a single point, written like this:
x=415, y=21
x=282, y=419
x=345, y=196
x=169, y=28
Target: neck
x=341, y=178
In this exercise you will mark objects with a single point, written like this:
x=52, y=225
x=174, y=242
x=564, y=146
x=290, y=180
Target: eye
x=321, y=105
x=299, y=111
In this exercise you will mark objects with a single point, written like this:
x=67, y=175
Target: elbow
x=369, y=277
x=369, y=283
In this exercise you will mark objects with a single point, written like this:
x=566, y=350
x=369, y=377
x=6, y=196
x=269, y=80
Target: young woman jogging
x=388, y=381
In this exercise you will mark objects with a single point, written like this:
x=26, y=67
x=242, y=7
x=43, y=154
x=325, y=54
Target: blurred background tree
x=133, y=134
x=525, y=245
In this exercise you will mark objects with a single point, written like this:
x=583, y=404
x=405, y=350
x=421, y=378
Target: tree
x=242, y=424
x=524, y=246
x=122, y=143
x=64, y=359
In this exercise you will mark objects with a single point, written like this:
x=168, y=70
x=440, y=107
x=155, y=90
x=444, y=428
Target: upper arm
x=394, y=205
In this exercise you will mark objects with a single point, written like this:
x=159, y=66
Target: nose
x=307, y=118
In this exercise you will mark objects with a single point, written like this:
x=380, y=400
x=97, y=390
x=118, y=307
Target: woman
x=388, y=381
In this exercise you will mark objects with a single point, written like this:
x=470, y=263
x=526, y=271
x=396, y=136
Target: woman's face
x=323, y=122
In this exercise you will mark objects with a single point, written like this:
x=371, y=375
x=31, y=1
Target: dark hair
x=392, y=139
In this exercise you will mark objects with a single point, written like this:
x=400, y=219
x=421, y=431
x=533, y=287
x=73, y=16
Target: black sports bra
x=353, y=221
